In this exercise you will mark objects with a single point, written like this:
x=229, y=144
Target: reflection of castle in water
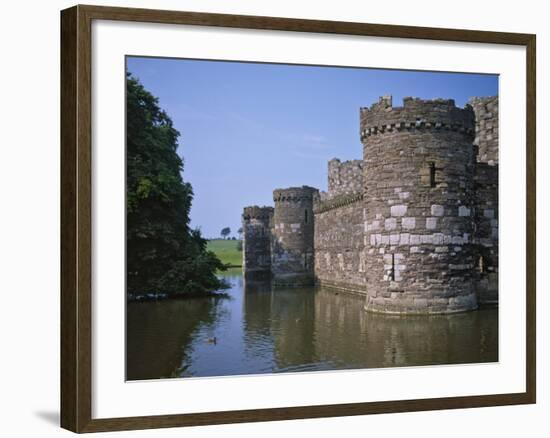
x=280, y=321
x=413, y=226
x=310, y=329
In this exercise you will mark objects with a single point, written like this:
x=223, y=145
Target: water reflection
x=159, y=335
x=260, y=330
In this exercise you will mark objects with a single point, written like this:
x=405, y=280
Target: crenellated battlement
x=295, y=195
x=415, y=114
x=256, y=212
x=337, y=202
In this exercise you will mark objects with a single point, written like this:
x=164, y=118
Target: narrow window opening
x=305, y=216
x=392, y=273
x=432, y=174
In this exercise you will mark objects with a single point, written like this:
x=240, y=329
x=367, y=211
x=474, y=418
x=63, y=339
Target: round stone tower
x=419, y=199
x=256, y=222
x=292, y=236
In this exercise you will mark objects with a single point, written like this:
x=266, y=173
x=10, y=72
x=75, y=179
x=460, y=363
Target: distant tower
x=292, y=236
x=419, y=197
x=256, y=222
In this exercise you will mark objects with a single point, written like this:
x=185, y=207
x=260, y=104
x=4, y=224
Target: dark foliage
x=163, y=254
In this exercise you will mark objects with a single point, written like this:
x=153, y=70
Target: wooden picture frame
x=76, y=217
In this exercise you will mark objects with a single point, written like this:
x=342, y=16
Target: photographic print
x=298, y=218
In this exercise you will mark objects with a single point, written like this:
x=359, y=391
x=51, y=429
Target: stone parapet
x=337, y=202
x=256, y=212
x=415, y=114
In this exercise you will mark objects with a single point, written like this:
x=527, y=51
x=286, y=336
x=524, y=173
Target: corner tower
x=292, y=236
x=256, y=222
x=419, y=197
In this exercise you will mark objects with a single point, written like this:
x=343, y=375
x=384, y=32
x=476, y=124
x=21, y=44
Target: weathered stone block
x=438, y=238
x=390, y=223
x=420, y=302
x=415, y=239
x=427, y=238
x=431, y=223
x=408, y=223
x=375, y=225
x=437, y=210
x=398, y=210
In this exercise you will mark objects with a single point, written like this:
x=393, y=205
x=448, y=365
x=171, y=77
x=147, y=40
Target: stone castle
x=413, y=226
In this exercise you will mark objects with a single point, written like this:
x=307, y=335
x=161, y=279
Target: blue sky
x=247, y=128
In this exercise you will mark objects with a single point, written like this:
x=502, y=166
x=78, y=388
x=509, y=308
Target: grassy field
x=227, y=251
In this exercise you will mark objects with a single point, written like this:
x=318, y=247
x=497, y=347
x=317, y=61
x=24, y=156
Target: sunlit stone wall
x=292, y=236
x=419, y=201
x=413, y=226
x=339, y=243
x=486, y=211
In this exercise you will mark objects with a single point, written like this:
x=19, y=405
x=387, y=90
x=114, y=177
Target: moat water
x=257, y=330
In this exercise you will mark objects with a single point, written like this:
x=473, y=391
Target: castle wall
x=256, y=223
x=344, y=178
x=339, y=244
x=414, y=225
x=419, y=200
x=292, y=236
x=486, y=233
x=486, y=211
x=486, y=139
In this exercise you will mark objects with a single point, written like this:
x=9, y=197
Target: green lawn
x=227, y=251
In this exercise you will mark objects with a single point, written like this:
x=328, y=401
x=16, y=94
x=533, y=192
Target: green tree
x=225, y=232
x=163, y=254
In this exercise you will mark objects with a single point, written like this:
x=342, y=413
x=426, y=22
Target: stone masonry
x=292, y=236
x=486, y=112
x=419, y=198
x=486, y=189
x=413, y=226
x=257, y=222
x=344, y=178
